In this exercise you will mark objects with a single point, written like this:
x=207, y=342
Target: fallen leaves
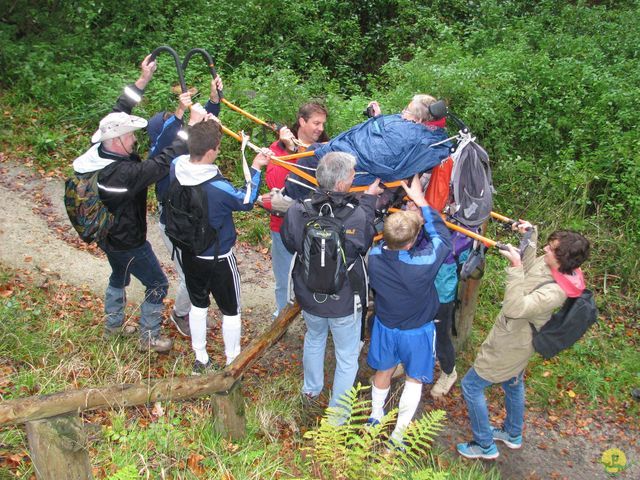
x=157, y=410
x=193, y=463
x=6, y=291
x=14, y=460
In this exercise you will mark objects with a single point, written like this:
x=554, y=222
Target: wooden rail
x=57, y=443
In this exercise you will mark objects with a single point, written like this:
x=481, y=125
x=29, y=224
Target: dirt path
x=35, y=234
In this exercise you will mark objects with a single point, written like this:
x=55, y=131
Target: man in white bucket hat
x=122, y=183
x=115, y=125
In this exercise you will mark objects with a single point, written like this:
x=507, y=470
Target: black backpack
x=323, y=258
x=187, y=218
x=88, y=215
x=566, y=326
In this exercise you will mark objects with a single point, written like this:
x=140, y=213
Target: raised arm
x=133, y=93
x=213, y=104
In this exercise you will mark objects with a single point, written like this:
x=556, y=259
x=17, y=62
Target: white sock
x=198, y=327
x=231, y=333
x=378, y=397
x=408, y=405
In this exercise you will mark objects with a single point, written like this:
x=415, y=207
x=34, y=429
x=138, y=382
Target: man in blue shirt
x=162, y=129
x=214, y=271
x=402, y=277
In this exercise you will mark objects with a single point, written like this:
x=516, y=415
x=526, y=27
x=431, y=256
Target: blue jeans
x=281, y=263
x=473, y=386
x=346, y=340
x=142, y=263
x=182, y=304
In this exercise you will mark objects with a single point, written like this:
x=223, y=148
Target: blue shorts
x=414, y=348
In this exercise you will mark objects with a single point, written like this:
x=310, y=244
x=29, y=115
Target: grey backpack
x=471, y=193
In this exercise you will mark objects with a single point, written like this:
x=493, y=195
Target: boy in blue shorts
x=402, y=277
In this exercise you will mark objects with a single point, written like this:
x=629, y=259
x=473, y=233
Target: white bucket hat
x=116, y=124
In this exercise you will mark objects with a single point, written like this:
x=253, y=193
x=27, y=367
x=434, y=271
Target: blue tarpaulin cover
x=389, y=148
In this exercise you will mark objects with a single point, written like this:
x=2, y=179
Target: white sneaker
x=444, y=384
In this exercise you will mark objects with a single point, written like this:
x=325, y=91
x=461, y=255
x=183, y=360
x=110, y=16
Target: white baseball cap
x=116, y=124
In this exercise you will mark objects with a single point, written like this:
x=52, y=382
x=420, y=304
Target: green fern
x=353, y=450
x=421, y=433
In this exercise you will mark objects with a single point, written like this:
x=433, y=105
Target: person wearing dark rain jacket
x=402, y=277
x=341, y=313
x=122, y=184
x=162, y=130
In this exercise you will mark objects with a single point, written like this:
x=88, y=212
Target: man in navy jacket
x=163, y=128
x=215, y=270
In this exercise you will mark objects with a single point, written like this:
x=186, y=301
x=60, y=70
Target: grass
x=50, y=341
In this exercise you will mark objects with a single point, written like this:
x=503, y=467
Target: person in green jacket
x=535, y=288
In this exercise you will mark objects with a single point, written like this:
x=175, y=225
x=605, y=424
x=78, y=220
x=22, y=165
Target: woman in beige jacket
x=535, y=288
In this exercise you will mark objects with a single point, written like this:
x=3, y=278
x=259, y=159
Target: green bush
x=548, y=87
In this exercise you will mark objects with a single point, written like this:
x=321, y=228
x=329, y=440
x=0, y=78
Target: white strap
x=245, y=168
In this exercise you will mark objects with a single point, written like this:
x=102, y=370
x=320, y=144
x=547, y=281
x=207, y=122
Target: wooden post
x=228, y=413
x=58, y=448
x=468, y=292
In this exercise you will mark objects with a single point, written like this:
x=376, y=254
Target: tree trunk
x=253, y=351
x=468, y=292
x=58, y=448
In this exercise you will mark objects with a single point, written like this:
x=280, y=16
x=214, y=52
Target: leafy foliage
x=354, y=450
x=549, y=87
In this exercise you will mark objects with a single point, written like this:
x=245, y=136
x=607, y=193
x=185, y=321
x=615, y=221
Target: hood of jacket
x=337, y=199
x=571, y=283
x=93, y=159
x=188, y=173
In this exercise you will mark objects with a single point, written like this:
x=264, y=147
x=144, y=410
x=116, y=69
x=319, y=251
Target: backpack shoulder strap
x=309, y=208
x=547, y=282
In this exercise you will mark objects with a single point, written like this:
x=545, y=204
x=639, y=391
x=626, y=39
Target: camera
x=369, y=112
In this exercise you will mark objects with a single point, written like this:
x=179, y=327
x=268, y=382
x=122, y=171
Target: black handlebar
x=179, y=67
x=207, y=57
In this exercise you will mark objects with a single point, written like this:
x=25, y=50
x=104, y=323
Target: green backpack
x=89, y=216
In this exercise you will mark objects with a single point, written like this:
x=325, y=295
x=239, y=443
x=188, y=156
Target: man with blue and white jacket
x=402, y=277
x=215, y=271
x=162, y=130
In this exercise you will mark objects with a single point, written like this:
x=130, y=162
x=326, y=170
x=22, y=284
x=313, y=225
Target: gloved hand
x=279, y=203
